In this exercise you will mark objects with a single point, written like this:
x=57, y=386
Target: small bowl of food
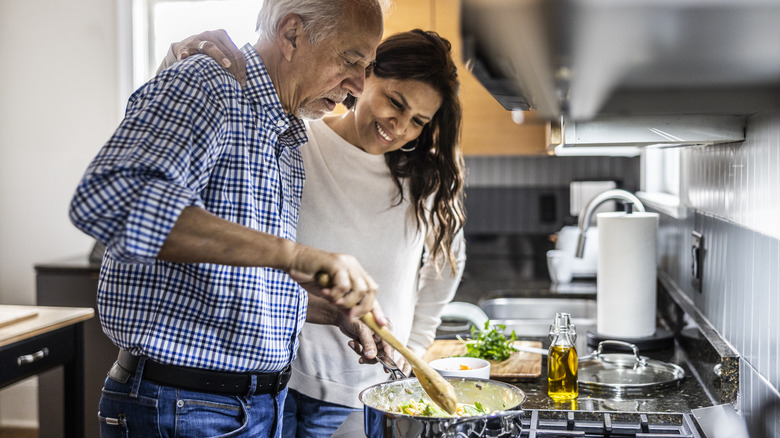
x=462, y=367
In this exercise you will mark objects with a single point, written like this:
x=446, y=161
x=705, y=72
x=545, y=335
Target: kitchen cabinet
x=488, y=128
x=73, y=282
x=51, y=338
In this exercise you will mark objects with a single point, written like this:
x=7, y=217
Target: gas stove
x=541, y=423
x=553, y=423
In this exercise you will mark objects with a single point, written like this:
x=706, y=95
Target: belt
x=201, y=380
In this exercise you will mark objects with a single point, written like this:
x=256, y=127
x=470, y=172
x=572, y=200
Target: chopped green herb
x=490, y=343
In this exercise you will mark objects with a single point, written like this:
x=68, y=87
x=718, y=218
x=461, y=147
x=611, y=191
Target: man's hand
x=343, y=282
x=218, y=45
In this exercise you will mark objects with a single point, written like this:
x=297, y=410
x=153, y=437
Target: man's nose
x=354, y=81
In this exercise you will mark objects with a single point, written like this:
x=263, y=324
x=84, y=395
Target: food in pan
x=426, y=409
x=406, y=398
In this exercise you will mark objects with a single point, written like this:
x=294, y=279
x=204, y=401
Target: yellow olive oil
x=562, y=373
x=562, y=360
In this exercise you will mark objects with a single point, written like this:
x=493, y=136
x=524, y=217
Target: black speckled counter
x=694, y=352
x=687, y=395
x=711, y=366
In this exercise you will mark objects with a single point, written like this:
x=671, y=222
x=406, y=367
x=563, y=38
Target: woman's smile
x=382, y=133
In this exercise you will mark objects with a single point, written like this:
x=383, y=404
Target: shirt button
x=280, y=123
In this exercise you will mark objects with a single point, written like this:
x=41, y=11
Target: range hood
x=576, y=62
x=626, y=135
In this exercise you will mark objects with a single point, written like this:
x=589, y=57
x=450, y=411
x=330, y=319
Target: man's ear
x=289, y=33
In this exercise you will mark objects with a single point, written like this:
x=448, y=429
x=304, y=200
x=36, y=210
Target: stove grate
x=552, y=423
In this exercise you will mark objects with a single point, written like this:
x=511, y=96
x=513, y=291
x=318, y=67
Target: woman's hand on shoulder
x=218, y=45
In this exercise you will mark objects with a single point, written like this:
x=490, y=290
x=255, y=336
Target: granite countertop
x=696, y=359
x=696, y=348
x=689, y=394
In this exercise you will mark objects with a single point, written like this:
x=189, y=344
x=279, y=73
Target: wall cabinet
x=488, y=128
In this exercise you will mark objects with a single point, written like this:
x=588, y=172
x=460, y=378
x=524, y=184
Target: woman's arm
x=361, y=338
x=435, y=290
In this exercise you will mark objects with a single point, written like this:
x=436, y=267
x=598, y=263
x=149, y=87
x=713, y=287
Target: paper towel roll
x=626, y=274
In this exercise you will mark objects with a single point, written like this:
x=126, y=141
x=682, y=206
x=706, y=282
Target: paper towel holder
x=587, y=212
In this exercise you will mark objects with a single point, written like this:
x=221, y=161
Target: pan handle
x=508, y=420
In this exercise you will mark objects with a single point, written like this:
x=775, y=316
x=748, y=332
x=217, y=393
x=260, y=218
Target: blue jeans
x=164, y=411
x=306, y=417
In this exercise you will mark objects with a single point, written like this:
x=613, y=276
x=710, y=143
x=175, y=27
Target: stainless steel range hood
x=625, y=135
x=586, y=60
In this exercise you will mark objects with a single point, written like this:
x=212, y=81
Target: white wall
x=58, y=105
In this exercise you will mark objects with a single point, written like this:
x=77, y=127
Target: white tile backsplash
x=734, y=192
x=739, y=182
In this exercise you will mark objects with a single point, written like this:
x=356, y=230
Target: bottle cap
x=562, y=320
x=562, y=324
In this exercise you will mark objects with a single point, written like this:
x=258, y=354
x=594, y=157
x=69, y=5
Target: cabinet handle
x=30, y=358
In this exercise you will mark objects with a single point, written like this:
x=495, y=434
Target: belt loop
x=252, y=385
x=139, y=371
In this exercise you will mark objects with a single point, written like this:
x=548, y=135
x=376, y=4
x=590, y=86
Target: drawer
x=37, y=354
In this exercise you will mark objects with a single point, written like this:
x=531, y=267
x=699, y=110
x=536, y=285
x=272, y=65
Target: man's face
x=333, y=68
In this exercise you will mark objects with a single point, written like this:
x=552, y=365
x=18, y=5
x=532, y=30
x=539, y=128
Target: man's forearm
x=201, y=237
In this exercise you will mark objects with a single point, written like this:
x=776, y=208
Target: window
x=661, y=170
x=660, y=180
x=148, y=27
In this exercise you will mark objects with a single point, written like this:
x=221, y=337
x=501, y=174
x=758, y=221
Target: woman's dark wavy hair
x=435, y=166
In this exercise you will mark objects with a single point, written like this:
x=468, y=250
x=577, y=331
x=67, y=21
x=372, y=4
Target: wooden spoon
x=438, y=389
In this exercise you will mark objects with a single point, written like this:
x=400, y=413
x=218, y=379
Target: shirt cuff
x=151, y=219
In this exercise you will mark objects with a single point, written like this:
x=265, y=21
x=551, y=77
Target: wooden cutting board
x=521, y=365
x=10, y=316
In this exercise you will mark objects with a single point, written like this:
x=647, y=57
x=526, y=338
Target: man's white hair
x=321, y=18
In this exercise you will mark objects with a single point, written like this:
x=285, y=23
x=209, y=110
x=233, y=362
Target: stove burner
x=552, y=423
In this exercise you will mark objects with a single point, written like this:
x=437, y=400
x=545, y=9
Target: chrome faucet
x=587, y=212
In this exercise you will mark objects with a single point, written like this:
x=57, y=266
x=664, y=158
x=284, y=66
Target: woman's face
x=393, y=112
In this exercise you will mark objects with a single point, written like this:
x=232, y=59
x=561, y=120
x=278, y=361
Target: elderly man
x=196, y=196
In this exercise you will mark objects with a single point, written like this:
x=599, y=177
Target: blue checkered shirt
x=193, y=136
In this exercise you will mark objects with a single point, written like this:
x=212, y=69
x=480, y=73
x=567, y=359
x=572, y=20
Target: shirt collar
x=259, y=88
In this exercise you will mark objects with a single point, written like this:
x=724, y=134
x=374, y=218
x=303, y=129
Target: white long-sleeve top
x=350, y=205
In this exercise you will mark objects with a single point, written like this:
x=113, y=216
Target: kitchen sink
x=538, y=308
x=532, y=317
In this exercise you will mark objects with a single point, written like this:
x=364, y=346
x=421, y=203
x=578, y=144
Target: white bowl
x=462, y=367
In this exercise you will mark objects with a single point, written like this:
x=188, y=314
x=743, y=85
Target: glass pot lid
x=619, y=372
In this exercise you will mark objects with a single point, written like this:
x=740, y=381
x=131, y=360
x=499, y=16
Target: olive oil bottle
x=562, y=360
